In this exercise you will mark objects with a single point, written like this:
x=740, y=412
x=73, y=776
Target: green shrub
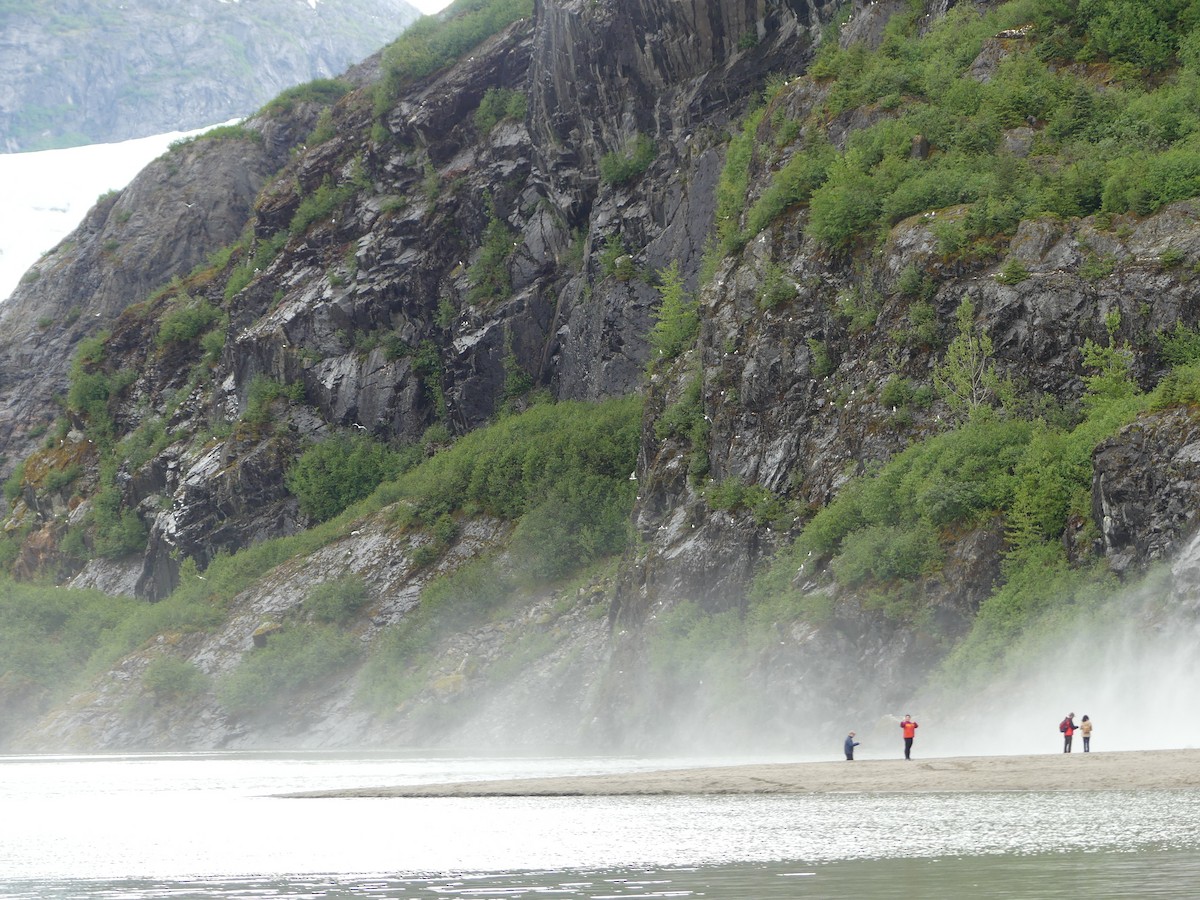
x=843, y=207
x=1012, y=272
x=235, y=132
x=320, y=205
x=1036, y=581
x=882, y=553
x=1172, y=257
x=497, y=105
x=579, y=520
x=252, y=264
x=174, y=679
x=914, y=284
x=732, y=186
x=92, y=389
x=461, y=599
x=687, y=647
x=324, y=130
x=145, y=442
x=1096, y=266
x=186, y=322
x=118, y=531
x=489, y=275
x=623, y=166
x=15, y=482
x=1124, y=145
x=49, y=635
x=339, y=471
x=615, y=261
x=433, y=42
x=262, y=392
x=57, y=479
x=777, y=288
x=1181, y=387
x=338, y=601
x=821, y=362
x=1143, y=35
x=795, y=183
x=1111, y=366
x=466, y=596
x=297, y=658
x=320, y=91
x=966, y=377
x=947, y=480
x=898, y=393
x=510, y=467
x=679, y=418
x=212, y=343
x=859, y=307
x=734, y=495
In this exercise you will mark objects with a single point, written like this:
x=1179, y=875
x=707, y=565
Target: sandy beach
x=1130, y=770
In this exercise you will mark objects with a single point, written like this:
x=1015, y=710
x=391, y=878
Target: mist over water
x=1132, y=666
x=208, y=827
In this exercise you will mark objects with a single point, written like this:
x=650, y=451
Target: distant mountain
x=96, y=71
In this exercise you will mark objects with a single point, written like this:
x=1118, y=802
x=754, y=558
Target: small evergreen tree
x=966, y=378
x=677, y=321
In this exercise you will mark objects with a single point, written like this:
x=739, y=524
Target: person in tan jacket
x=1085, y=729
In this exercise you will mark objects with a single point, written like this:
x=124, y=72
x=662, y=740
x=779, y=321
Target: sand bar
x=1130, y=770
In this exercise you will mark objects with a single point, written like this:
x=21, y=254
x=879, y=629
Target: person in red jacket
x=909, y=729
x=1067, y=727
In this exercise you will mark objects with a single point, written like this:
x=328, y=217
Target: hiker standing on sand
x=850, y=744
x=1085, y=728
x=909, y=729
x=1067, y=727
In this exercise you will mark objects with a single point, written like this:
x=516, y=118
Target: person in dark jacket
x=851, y=743
x=1067, y=727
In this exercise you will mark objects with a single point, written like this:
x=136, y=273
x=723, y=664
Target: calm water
x=206, y=826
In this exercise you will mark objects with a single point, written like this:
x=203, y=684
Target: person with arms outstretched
x=909, y=729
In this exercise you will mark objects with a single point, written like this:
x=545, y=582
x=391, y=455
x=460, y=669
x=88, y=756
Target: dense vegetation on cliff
x=488, y=413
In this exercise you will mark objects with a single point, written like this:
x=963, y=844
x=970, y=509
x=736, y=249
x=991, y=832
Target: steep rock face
x=796, y=430
x=182, y=207
x=670, y=71
x=136, y=69
x=1146, y=489
x=373, y=313
x=377, y=311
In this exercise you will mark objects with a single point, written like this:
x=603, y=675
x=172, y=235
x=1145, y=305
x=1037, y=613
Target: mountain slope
x=906, y=343
x=98, y=71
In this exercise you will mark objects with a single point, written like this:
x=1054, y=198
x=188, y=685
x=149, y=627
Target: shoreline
x=1096, y=771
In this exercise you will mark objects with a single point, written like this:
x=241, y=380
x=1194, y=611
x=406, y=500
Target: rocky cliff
x=403, y=266
x=98, y=72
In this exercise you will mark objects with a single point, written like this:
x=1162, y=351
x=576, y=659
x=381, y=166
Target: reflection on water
x=147, y=827
x=1167, y=874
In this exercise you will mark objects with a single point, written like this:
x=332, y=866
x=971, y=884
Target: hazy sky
x=430, y=6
